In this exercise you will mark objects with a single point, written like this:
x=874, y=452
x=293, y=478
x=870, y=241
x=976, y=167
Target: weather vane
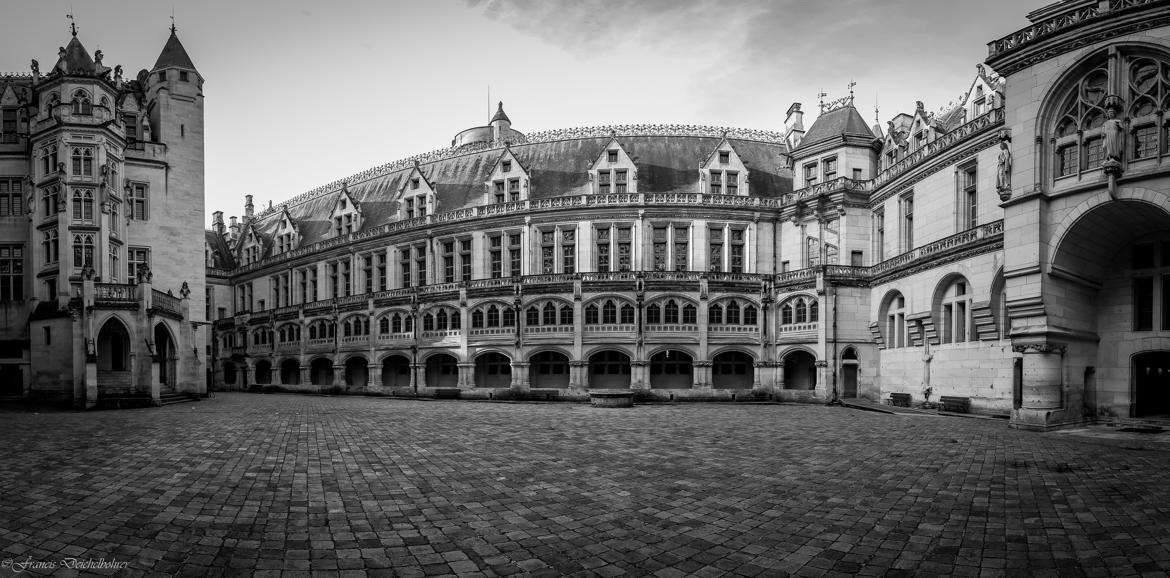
x=172, y=19
x=821, y=99
x=72, y=23
x=851, y=85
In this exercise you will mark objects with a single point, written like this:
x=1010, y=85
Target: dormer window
x=732, y=182
x=612, y=156
x=724, y=157
x=514, y=190
x=413, y=183
x=603, y=182
x=506, y=167
x=619, y=181
x=182, y=76
x=342, y=204
x=410, y=208
x=162, y=76
x=8, y=125
x=499, y=191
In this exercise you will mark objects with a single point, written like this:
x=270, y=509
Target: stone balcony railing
x=1062, y=22
x=164, y=302
x=966, y=239
x=115, y=293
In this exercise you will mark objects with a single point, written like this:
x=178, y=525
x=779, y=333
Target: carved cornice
x=1057, y=348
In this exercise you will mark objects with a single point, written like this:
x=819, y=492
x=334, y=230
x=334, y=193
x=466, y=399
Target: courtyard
x=289, y=485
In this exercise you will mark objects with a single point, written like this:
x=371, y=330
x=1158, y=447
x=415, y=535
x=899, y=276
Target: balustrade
x=165, y=302
x=115, y=292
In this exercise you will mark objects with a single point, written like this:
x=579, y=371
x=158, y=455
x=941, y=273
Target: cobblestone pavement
x=266, y=485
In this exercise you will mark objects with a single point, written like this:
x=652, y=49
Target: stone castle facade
x=1011, y=249
x=99, y=176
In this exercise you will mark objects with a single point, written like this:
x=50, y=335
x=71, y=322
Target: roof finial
x=851, y=85
x=876, y=115
x=72, y=23
x=173, y=19
x=821, y=99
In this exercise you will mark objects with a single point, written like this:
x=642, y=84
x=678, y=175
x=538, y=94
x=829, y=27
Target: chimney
x=248, y=208
x=794, y=125
x=217, y=222
x=234, y=230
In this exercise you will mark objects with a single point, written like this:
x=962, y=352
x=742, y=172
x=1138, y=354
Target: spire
x=73, y=58
x=173, y=54
x=500, y=115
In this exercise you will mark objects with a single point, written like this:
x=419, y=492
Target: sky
x=300, y=93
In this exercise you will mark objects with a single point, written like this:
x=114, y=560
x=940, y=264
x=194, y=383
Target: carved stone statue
x=1112, y=145
x=97, y=58
x=36, y=68
x=146, y=130
x=1003, y=177
x=118, y=74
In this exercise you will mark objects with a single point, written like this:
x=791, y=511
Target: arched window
x=733, y=313
x=428, y=322
x=532, y=316
x=383, y=326
x=654, y=314
x=749, y=315
x=801, y=311
x=715, y=315
x=566, y=315
x=628, y=314
x=83, y=205
x=82, y=160
x=690, y=314
x=81, y=103
x=407, y=323
x=591, y=315
x=609, y=312
x=346, y=329
x=509, y=317
x=441, y=321
x=893, y=321
x=477, y=319
x=396, y=324
x=83, y=246
x=493, y=316
x=813, y=316
x=456, y=320
x=1082, y=134
x=313, y=331
x=671, y=312
x=786, y=314
x=953, y=315
x=550, y=314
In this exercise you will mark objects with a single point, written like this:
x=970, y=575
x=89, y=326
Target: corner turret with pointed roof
x=501, y=124
x=173, y=55
x=74, y=59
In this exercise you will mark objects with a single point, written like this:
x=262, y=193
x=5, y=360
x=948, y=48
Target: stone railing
x=115, y=292
x=549, y=279
x=796, y=276
x=165, y=302
x=818, y=189
x=1047, y=27
x=978, y=125
x=799, y=327
x=962, y=240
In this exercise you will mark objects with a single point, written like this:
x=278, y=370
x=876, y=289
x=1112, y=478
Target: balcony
x=969, y=239
x=166, y=303
x=114, y=294
x=934, y=149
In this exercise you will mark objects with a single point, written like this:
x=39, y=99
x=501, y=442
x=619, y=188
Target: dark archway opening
x=609, y=370
x=671, y=369
x=549, y=369
x=732, y=370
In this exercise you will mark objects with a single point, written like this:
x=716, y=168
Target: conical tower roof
x=500, y=114
x=173, y=54
x=75, y=59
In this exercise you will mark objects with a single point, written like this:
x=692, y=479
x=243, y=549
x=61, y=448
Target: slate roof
x=836, y=122
x=173, y=54
x=76, y=59
x=220, y=247
x=500, y=115
x=664, y=164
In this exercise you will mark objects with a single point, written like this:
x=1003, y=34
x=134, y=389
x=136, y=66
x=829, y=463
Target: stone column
x=824, y=385
x=702, y=374
x=758, y=380
x=339, y=376
x=155, y=373
x=466, y=375
x=520, y=375
x=306, y=375
x=639, y=374
x=578, y=374
x=418, y=375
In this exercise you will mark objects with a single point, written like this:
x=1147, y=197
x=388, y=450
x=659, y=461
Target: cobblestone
x=285, y=485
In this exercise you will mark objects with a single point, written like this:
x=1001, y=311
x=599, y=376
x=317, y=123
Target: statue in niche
x=1003, y=176
x=1113, y=144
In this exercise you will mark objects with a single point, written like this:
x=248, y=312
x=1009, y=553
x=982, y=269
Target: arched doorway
x=164, y=351
x=396, y=371
x=357, y=372
x=263, y=374
x=442, y=371
x=1151, y=376
x=113, y=348
x=732, y=370
x=549, y=369
x=609, y=370
x=290, y=372
x=493, y=370
x=849, y=369
x=321, y=371
x=671, y=369
x=800, y=370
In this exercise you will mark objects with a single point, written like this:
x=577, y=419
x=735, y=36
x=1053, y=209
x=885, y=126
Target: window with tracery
x=1081, y=137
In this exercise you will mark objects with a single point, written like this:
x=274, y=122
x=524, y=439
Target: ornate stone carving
x=1003, y=177
x=1058, y=348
